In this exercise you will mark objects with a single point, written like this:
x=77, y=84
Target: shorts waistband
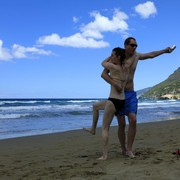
x=129, y=91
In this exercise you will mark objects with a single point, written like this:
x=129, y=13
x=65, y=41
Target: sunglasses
x=133, y=45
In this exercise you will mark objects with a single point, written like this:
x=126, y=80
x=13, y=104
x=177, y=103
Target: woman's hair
x=120, y=52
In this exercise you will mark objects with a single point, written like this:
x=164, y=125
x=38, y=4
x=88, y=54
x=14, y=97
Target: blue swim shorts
x=131, y=103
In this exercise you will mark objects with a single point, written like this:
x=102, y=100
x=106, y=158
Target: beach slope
x=72, y=155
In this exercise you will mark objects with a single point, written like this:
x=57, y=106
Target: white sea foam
x=12, y=116
x=82, y=101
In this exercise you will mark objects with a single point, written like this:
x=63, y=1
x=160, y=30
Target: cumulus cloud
x=75, y=19
x=104, y=24
x=76, y=40
x=4, y=53
x=90, y=35
x=146, y=10
x=18, y=52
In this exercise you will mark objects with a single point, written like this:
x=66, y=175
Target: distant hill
x=168, y=89
x=141, y=92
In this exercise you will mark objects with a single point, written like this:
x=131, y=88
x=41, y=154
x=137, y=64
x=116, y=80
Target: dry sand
x=72, y=155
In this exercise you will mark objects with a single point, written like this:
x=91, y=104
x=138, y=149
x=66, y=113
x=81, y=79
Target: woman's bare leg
x=96, y=107
x=107, y=119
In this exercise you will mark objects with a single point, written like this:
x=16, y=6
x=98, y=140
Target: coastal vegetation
x=168, y=89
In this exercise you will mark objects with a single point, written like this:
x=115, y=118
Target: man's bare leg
x=96, y=107
x=121, y=133
x=131, y=134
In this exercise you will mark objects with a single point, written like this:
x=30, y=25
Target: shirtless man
x=132, y=58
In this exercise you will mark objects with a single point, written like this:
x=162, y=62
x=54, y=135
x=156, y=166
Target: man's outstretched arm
x=154, y=54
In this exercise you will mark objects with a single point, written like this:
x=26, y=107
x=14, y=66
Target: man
x=131, y=60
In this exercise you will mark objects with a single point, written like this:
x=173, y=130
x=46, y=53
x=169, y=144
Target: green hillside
x=168, y=89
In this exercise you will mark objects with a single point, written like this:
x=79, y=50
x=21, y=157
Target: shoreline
x=73, y=154
x=6, y=137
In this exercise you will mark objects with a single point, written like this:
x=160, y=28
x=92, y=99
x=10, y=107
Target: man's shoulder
x=134, y=57
x=138, y=54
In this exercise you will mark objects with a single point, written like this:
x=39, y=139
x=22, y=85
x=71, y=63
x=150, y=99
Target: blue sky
x=54, y=49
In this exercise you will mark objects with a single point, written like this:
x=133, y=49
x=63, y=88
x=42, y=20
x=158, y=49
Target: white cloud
x=77, y=40
x=18, y=51
x=75, y=19
x=104, y=24
x=91, y=34
x=146, y=9
x=4, y=53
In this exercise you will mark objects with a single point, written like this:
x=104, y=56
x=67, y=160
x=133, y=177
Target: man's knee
x=132, y=118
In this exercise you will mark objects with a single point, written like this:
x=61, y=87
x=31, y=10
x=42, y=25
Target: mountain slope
x=141, y=92
x=168, y=89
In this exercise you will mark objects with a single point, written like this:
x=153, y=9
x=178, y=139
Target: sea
x=27, y=117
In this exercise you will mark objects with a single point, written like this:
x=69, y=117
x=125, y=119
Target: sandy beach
x=73, y=154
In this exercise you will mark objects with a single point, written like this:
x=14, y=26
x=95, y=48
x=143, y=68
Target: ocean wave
x=35, y=116
x=42, y=109
x=17, y=102
x=17, y=108
x=63, y=107
x=83, y=101
x=164, y=104
x=13, y=116
x=43, y=114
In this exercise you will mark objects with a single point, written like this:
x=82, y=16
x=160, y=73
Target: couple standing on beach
x=119, y=70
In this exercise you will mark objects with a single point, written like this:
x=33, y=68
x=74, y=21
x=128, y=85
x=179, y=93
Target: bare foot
x=124, y=152
x=130, y=154
x=90, y=130
x=104, y=157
